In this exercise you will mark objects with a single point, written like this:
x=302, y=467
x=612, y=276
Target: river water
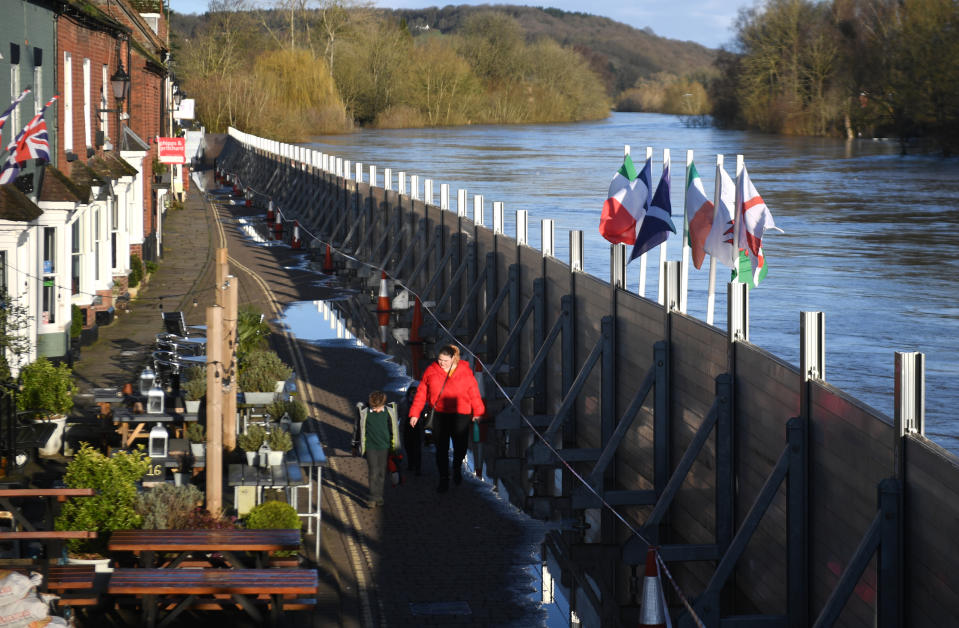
x=871, y=237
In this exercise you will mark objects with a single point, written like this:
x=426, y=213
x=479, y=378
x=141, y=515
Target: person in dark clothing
x=375, y=436
x=450, y=387
x=413, y=436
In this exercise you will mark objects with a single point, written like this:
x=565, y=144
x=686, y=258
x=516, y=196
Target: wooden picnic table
x=191, y=587
x=227, y=542
x=53, y=496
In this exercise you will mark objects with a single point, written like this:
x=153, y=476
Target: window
x=104, y=87
x=14, y=87
x=96, y=245
x=67, y=101
x=87, y=109
x=3, y=272
x=49, y=307
x=37, y=80
x=75, y=246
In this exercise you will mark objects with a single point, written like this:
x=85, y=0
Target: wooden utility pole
x=222, y=270
x=228, y=358
x=214, y=410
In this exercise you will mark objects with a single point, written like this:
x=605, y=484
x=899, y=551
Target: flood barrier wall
x=785, y=565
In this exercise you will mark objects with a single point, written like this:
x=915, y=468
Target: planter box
x=192, y=406
x=259, y=398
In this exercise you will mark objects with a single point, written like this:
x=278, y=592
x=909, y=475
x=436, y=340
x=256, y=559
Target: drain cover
x=440, y=608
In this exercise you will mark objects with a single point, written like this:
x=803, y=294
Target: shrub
x=76, y=321
x=203, y=519
x=261, y=369
x=295, y=408
x=136, y=271
x=273, y=515
x=113, y=507
x=46, y=389
x=252, y=438
x=195, y=386
x=279, y=440
x=151, y=266
x=251, y=331
x=168, y=507
x=196, y=433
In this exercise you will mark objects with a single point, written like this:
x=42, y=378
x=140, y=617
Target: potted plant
x=259, y=373
x=292, y=409
x=194, y=388
x=274, y=515
x=279, y=443
x=113, y=506
x=47, y=391
x=167, y=507
x=252, y=331
x=196, y=434
x=250, y=442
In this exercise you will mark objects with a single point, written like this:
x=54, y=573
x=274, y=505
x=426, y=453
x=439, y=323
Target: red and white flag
x=13, y=105
x=754, y=216
x=31, y=143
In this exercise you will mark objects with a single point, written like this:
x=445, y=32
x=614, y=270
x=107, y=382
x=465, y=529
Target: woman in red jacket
x=451, y=389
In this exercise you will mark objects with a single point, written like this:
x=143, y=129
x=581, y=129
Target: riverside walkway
x=423, y=559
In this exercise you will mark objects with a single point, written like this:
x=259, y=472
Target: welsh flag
x=749, y=272
x=719, y=242
x=701, y=209
x=625, y=206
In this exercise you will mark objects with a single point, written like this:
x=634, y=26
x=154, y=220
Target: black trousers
x=413, y=444
x=448, y=426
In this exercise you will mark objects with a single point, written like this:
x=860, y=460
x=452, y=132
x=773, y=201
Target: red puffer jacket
x=460, y=394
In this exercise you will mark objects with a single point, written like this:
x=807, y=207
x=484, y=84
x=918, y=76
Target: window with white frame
x=87, y=108
x=104, y=86
x=75, y=256
x=49, y=300
x=14, y=87
x=67, y=101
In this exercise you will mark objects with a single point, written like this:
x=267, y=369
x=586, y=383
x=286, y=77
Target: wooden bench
x=176, y=590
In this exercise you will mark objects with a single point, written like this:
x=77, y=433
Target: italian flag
x=624, y=208
x=701, y=209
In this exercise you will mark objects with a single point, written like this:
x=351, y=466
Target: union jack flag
x=31, y=143
x=13, y=105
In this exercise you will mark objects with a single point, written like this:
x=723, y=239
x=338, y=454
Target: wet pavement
x=423, y=559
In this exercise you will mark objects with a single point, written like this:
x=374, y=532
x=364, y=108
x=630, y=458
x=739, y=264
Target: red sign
x=172, y=150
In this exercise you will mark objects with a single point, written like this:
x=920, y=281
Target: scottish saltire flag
x=13, y=105
x=719, y=242
x=657, y=223
x=701, y=209
x=749, y=272
x=755, y=215
x=625, y=206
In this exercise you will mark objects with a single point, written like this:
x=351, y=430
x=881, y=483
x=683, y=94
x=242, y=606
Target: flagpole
x=642, y=258
x=737, y=217
x=662, y=247
x=684, y=282
x=711, y=291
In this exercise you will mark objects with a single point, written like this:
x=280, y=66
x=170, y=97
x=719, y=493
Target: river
x=871, y=238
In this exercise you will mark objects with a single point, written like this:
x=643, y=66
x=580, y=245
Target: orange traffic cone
x=383, y=302
x=269, y=212
x=278, y=227
x=328, y=261
x=417, y=322
x=653, y=613
x=249, y=197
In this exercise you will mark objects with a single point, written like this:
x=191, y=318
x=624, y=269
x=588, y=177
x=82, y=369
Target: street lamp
x=120, y=83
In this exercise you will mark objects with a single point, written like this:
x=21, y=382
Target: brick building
x=67, y=229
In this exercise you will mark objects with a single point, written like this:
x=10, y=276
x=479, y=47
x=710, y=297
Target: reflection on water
x=871, y=237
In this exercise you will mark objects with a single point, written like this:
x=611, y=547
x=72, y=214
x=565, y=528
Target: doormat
x=440, y=608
